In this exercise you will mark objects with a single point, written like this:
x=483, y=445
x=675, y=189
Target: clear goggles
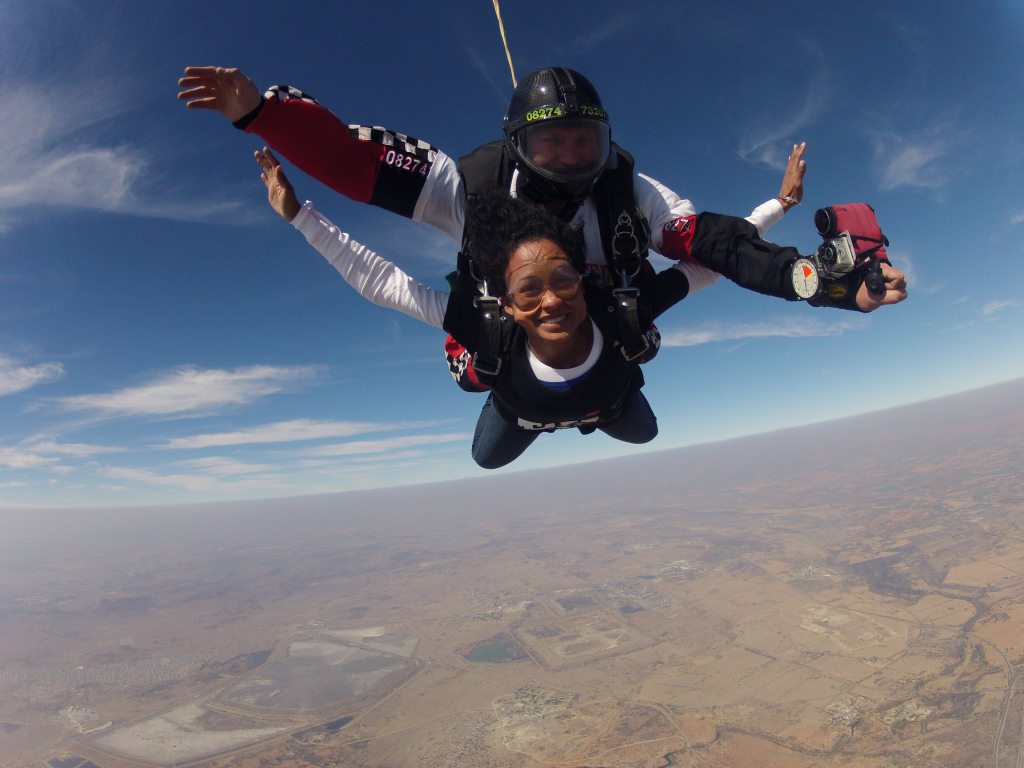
x=567, y=149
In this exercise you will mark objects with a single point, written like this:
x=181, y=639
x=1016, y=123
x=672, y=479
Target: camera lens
x=828, y=256
x=825, y=221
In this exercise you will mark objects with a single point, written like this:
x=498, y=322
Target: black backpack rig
x=625, y=237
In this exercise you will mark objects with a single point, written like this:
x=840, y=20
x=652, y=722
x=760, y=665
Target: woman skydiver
x=561, y=366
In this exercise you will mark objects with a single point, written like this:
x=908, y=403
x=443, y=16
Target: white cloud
x=190, y=482
x=221, y=465
x=148, y=477
x=55, y=154
x=1017, y=218
x=190, y=390
x=15, y=377
x=997, y=305
x=924, y=158
x=88, y=178
x=789, y=328
x=44, y=452
x=771, y=140
x=22, y=458
x=909, y=164
x=357, y=447
x=77, y=450
x=285, y=432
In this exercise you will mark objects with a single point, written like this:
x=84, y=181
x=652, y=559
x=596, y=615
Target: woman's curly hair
x=498, y=224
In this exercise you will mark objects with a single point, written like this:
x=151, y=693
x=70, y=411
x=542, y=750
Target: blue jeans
x=498, y=441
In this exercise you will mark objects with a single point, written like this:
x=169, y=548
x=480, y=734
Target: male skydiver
x=413, y=178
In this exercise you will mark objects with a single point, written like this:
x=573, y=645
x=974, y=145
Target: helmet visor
x=565, y=150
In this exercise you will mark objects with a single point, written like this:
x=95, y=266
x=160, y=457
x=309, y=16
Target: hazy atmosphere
x=809, y=598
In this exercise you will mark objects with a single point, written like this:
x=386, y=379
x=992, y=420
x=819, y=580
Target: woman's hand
x=280, y=194
x=792, y=190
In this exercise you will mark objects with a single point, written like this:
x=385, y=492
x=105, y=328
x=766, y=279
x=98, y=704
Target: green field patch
x=498, y=649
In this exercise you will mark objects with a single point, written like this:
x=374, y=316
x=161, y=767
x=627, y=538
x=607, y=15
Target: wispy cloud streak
x=222, y=465
x=908, y=163
x=357, y=447
x=55, y=154
x=770, y=142
x=190, y=390
x=43, y=452
x=718, y=332
x=287, y=432
x=924, y=157
x=998, y=305
x=15, y=377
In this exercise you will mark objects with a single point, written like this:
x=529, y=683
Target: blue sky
x=164, y=338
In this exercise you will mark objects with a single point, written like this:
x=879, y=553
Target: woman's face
x=539, y=272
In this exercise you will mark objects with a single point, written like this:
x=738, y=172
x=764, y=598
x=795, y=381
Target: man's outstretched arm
x=731, y=247
x=367, y=164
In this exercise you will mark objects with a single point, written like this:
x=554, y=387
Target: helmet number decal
x=544, y=113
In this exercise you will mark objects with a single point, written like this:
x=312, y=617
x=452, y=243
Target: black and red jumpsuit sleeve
x=368, y=164
x=732, y=247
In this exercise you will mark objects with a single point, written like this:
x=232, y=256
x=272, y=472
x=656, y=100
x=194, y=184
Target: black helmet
x=557, y=133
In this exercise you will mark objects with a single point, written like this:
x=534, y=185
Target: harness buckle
x=634, y=343
x=626, y=258
x=487, y=359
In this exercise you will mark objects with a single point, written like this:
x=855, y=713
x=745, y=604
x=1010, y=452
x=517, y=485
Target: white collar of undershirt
x=545, y=372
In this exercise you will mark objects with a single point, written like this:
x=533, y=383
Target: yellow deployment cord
x=508, y=55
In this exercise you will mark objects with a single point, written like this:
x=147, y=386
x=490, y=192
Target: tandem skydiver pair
x=553, y=329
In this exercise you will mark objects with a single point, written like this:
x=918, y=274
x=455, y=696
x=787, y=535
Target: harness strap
x=488, y=356
x=625, y=234
x=481, y=170
x=633, y=342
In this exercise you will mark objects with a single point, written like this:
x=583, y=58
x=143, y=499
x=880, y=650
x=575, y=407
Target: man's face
x=568, y=147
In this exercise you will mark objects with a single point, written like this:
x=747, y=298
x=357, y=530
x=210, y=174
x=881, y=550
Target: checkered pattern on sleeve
x=410, y=145
x=287, y=93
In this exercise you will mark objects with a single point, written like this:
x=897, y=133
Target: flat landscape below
x=848, y=594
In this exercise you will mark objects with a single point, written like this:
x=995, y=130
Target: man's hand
x=280, y=194
x=792, y=190
x=228, y=91
x=895, y=290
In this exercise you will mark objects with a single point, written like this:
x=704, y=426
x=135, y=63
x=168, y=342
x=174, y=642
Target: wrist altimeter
x=806, y=277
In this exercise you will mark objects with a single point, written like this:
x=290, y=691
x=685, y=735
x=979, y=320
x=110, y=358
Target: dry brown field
x=713, y=611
